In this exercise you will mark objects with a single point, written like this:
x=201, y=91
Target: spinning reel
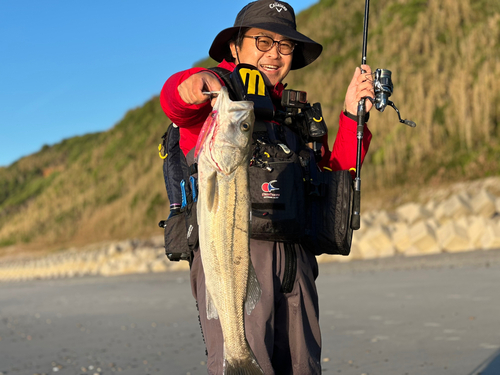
x=383, y=86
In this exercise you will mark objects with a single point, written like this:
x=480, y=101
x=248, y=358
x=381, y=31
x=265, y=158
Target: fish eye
x=245, y=126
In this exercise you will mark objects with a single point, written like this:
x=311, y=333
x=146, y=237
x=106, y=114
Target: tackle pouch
x=181, y=234
x=329, y=230
x=176, y=245
x=276, y=193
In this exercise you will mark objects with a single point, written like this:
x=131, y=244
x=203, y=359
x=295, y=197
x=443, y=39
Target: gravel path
x=436, y=314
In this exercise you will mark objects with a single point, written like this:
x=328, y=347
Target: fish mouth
x=206, y=130
x=226, y=166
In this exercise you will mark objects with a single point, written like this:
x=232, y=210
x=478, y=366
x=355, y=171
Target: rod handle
x=356, y=206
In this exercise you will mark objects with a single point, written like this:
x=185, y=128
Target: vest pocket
x=277, y=195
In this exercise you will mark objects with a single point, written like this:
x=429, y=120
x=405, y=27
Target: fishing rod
x=356, y=204
x=383, y=88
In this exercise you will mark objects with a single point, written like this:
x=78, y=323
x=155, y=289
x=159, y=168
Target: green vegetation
x=444, y=58
x=83, y=189
x=408, y=11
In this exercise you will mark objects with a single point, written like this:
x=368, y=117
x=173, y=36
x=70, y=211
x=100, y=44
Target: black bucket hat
x=275, y=16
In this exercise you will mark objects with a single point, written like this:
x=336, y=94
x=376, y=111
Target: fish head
x=226, y=136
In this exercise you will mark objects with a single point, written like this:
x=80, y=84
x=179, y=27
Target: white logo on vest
x=279, y=7
x=268, y=190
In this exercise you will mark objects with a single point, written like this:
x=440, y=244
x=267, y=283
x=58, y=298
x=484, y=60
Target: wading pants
x=283, y=329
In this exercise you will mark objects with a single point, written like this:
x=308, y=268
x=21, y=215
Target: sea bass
x=223, y=153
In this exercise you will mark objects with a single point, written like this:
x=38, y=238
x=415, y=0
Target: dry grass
x=445, y=64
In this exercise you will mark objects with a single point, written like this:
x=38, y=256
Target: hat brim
x=306, y=51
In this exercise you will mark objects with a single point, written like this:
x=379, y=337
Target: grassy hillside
x=444, y=56
x=88, y=189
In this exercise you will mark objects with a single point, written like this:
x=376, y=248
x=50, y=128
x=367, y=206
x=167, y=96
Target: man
x=283, y=329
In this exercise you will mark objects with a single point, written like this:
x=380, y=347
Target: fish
x=223, y=211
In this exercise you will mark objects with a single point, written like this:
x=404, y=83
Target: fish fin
x=212, y=192
x=248, y=366
x=253, y=290
x=211, y=309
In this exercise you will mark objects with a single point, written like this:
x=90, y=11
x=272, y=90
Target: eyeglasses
x=265, y=43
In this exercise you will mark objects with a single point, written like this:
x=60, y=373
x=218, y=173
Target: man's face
x=272, y=64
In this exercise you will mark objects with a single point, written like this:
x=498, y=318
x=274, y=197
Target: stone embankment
x=464, y=217
x=106, y=259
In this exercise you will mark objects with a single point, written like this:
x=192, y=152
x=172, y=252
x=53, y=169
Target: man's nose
x=274, y=51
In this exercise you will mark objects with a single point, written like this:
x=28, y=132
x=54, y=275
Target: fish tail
x=248, y=367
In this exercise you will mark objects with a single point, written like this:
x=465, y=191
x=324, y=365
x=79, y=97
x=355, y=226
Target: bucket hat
x=275, y=16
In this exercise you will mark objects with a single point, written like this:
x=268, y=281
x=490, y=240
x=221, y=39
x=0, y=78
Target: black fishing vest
x=291, y=200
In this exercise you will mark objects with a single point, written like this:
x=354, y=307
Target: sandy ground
x=436, y=314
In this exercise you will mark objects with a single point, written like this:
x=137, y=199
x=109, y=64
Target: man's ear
x=232, y=47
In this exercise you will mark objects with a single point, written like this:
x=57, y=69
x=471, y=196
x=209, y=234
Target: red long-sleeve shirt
x=190, y=118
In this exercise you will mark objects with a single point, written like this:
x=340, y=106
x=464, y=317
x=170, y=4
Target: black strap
x=193, y=167
x=290, y=267
x=225, y=75
x=354, y=117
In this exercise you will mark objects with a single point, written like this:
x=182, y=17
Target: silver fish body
x=223, y=153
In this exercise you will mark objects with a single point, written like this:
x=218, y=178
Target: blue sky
x=69, y=68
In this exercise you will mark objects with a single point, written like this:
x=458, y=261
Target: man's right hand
x=191, y=90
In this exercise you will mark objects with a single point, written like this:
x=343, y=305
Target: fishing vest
x=292, y=201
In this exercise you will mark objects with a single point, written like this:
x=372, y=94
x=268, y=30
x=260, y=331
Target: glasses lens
x=286, y=47
x=264, y=43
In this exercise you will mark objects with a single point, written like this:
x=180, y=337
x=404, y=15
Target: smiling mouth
x=269, y=67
